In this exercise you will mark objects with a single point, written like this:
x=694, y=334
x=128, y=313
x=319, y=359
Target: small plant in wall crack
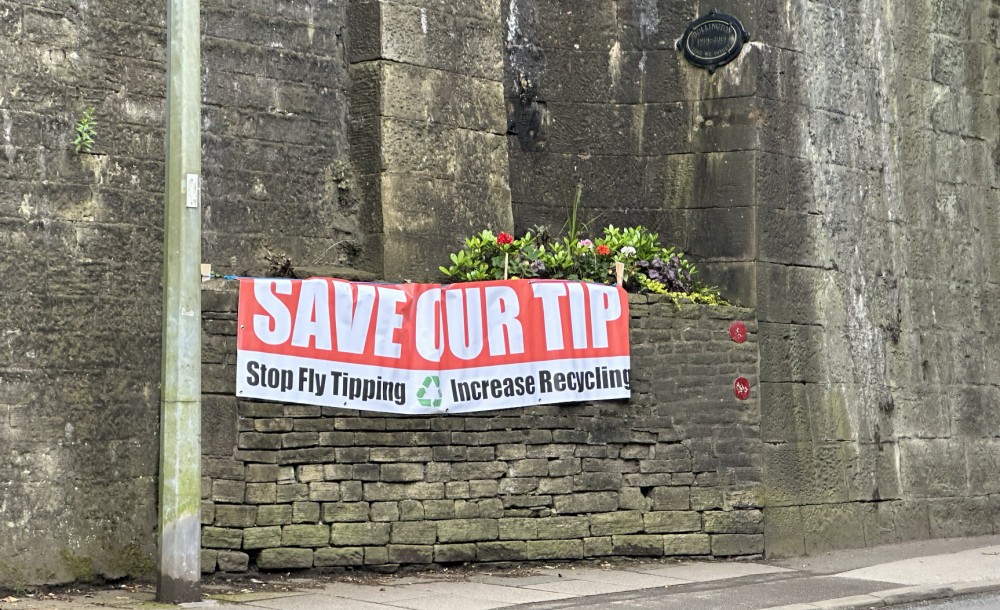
x=85, y=132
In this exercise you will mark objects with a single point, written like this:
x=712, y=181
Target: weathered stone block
x=272, y=424
x=557, y=486
x=959, y=517
x=832, y=526
x=734, y=522
x=483, y=489
x=411, y=510
x=632, y=545
x=305, y=512
x=564, y=467
x=491, y=508
x=594, y=502
x=726, y=545
x=233, y=561
x=308, y=473
x=376, y=555
x=467, y=510
x=261, y=493
x=227, y=515
x=384, y=511
x=324, y=491
x=207, y=512
x=784, y=535
x=553, y=528
x=285, y=559
x=359, y=534
x=261, y=537
x=686, y=544
x=664, y=522
x=387, y=492
x=218, y=427
x=621, y=522
x=305, y=535
x=291, y=492
x=454, y=553
x=221, y=538
x=598, y=547
x=409, y=553
x=672, y=498
x=338, y=556
x=345, y=511
x=467, y=530
x=597, y=481
x=400, y=473
x=413, y=532
x=518, y=486
x=439, y=509
x=274, y=514
x=351, y=491
x=554, y=549
x=227, y=492
x=518, y=528
x=505, y=550
x=209, y=559
x=262, y=473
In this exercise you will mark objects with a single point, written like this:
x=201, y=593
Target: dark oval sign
x=713, y=40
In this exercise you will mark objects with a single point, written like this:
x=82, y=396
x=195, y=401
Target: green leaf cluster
x=85, y=132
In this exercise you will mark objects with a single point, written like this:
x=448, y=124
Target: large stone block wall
x=675, y=471
x=597, y=95
x=841, y=177
x=427, y=129
x=876, y=279
x=81, y=243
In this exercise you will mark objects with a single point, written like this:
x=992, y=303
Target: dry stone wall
x=675, y=471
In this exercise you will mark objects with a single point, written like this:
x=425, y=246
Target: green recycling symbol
x=429, y=394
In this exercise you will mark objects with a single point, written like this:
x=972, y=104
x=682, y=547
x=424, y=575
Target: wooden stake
x=506, y=262
x=620, y=273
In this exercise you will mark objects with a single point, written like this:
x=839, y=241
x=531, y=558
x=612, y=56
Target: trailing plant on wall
x=646, y=265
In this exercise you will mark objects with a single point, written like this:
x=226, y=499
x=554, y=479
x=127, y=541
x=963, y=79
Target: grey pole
x=179, y=575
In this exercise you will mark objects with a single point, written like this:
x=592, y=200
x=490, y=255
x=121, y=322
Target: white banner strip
x=284, y=378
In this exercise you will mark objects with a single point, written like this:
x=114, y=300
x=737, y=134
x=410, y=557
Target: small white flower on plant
x=628, y=251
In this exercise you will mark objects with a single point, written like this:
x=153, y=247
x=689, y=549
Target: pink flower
x=505, y=238
x=586, y=243
x=602, y=249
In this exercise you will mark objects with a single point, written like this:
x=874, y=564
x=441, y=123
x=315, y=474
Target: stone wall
x=841, y=177
x=877, y=276
x=81, y=243
x=427, y=129
x=597, y=95
x=675, y=471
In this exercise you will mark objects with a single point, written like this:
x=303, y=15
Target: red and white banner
x=428, y=348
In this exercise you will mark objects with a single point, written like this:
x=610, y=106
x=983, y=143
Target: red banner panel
x=431, y=348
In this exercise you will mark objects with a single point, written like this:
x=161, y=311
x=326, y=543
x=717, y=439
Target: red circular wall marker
x=742, y=388
x=738, y=331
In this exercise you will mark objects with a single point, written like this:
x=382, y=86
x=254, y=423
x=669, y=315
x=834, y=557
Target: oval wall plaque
x=713, y=40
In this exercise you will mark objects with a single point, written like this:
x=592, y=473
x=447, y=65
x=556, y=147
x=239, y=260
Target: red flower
x=505, y=238
x=602, y=249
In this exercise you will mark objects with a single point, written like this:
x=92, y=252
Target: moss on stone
x=81, y=568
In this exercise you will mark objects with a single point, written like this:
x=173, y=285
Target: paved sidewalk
x=867, y=578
